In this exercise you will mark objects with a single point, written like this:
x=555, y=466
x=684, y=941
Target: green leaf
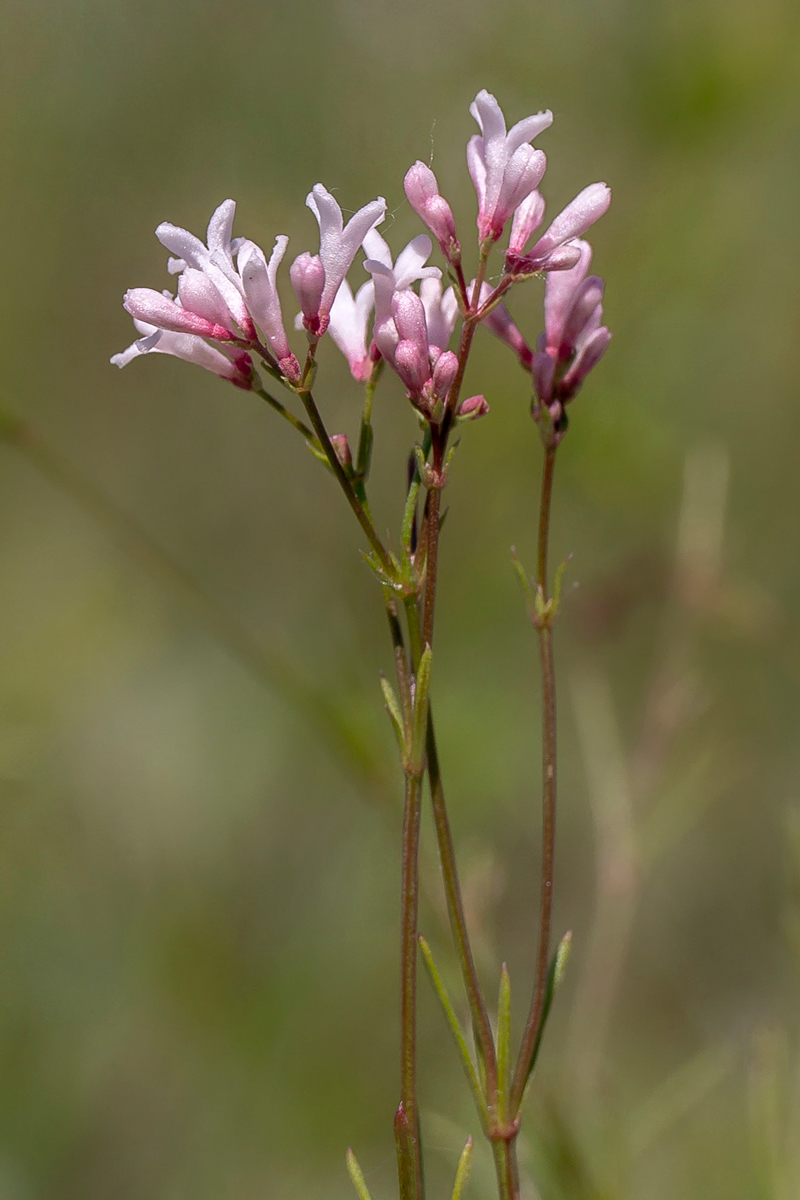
x=462, y=1171
x=554, y=977
x=503, y=1043
x=456, y=1030
x=394, y=711
x=419, y=726
x=357, y=1176
x=522, y=575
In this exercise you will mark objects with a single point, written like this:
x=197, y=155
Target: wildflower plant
x=420, y=320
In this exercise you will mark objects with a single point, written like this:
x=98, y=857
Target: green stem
x=283, y=411
x=352, y=499
x=409, y=943
x=536, y=1013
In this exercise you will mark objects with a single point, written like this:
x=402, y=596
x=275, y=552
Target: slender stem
x=532, y=1027
x=506, y=1169
x=544, y=516
x=409, y=943
x=458, y=924
x=283, y=411
x=352, y=499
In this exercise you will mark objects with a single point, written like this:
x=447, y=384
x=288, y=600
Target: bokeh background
x=200, y=810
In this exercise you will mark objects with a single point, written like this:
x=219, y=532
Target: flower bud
x=342, y=447
x=472, y=408
x=423, y=195
x=527, y=219
x=308, y=280
x=444, y=373
x=412, y=366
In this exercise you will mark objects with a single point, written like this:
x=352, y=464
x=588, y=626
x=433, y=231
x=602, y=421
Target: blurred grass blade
x=357, y=1176
x=554, y=977
x=455, y=1028
x=462, y=1171
x=503, y=1043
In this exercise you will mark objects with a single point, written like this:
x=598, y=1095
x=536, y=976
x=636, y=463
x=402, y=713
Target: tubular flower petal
x=348, y=327
x=573, y=342
x=163, y=312
x=238, y=369
x=500, y=323
x=215, y=260
x=527, y=219
x=259, y=282
x=504, y=168
x=423, y=195
x=441, y=311
x=338, y=246
x=389, y=279
x=573, y=221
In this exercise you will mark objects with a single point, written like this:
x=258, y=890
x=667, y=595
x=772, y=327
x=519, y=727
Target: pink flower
x=259, y=283
x=574, y=339
x=215, y=262
x=339, y=244
x=235, y=365
x=554, y=250
x=505, y=169
x=349, y=318
x=499, y=323
x=441, y=310
x=389, y=278
x=423, y=195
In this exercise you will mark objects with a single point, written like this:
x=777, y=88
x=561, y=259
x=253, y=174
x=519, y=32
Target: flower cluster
x=226, y=313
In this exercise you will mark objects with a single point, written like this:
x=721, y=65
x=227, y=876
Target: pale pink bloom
x=441, y=311
x=307, y=275
x=349, y=319
x=574, y=340
x=553, y=250
x=238, y=368
x=215, y=260
x=527, y=219
x=505, y=169
x=163, y=312
x=259, y=282
x=423, y=195
x=338, y=245
x=389, y=277
x=412, y=359
x=500, y=323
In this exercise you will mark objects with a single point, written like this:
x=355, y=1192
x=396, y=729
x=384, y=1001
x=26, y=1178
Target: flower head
x=574, y=340
x=505, y=168
x=318, y=278
x=389, y=277
x=233, y=365
x=555, y=249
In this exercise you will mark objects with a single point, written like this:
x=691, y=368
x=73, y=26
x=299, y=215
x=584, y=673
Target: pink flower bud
x=308, y=280
x=412, y=366
x=444, y=373
x=342, y=447
x=586, y=301
x=146, y=304
x=586, y=359
x=409, y=318
x=423, y=195
x=472, y=408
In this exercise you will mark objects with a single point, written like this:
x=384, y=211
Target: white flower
x=349, y=318
x=505, y=169
x=391, y=277
x=193, y=349
x=338, y=246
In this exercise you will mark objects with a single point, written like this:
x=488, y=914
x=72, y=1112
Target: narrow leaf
x=554, y=977
x=455, y=1029
x=357, y=1177
x=409, y=514
x=524, y=580
x=503, y=1043
x=395, y=714
x=422, y=686
x=462, y=1171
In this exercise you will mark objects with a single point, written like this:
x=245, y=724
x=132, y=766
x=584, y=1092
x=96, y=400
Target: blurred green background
x=198, y=877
